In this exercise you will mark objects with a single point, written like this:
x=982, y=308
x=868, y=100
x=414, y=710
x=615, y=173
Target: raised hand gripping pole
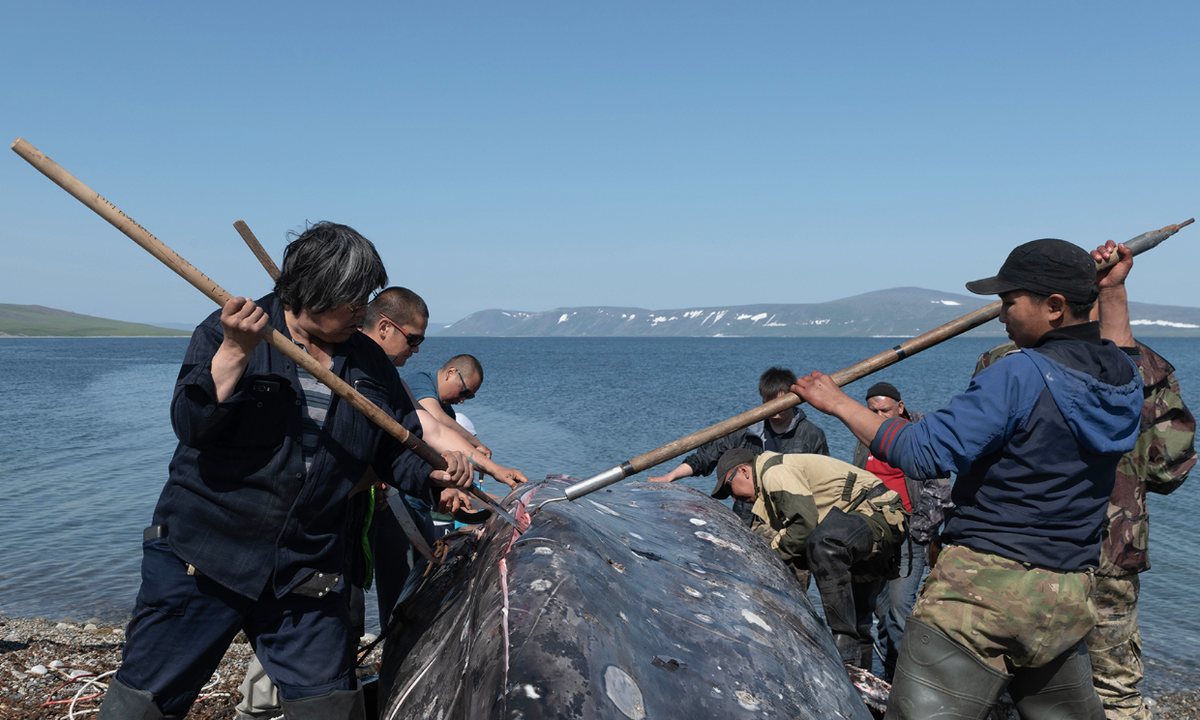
x=1138, y=245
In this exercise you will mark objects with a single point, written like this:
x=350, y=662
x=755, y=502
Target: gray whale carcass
x=648, y=600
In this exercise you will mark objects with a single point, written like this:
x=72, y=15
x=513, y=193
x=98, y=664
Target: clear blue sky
x=536, y=155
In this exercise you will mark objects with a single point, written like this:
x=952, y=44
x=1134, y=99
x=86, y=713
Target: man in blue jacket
x=1034, y=443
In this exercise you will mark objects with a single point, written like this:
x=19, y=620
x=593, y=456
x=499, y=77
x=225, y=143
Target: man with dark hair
x=437, y=393
x=789, y=432
x=925, y=501
x=823, y=516
x=1160, y=463
x=249, y=533
x=1035, y=443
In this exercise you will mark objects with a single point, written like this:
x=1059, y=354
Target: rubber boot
x=336, y=705
x=839, y=542
x=1061, y=690
x=938, y=679
x=122, y=702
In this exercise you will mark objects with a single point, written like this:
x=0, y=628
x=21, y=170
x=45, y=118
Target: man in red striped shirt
x=929, y=499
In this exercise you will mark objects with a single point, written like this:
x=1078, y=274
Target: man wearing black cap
x=1034, y=443
x=825, y=516
x=926, y=502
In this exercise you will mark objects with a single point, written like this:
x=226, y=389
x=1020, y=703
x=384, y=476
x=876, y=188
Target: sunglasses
x=414, y=339
x=467, y=393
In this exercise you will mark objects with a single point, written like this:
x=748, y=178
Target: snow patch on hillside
x=1164, y=323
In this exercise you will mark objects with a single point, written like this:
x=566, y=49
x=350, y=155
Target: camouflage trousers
x=1011, y=615
x=1115, y=647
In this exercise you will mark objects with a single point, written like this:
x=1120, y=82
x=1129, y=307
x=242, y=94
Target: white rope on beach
x=89, y=680
x=212, y=682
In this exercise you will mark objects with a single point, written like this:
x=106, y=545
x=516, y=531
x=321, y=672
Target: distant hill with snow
x=898, y=312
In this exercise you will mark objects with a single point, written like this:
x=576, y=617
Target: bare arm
x=434, y=408
x=1113, y=300
x=443, y=439
x=684, y=470
x=820, y=391
x=243, y=323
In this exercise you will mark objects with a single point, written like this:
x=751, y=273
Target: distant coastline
x=895, y=313
x=26, y=321
x=6, y=336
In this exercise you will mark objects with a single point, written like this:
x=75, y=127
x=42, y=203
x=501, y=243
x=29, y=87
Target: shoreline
x=6, y=336
x=38, y=658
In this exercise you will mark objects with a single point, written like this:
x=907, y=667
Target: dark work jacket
x=801, y=437
x=239, y=504
x=1034, y=442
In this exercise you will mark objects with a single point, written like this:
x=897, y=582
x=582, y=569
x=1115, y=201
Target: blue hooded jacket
x=1034, y=442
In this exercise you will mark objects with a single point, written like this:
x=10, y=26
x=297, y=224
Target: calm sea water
x=85, y=441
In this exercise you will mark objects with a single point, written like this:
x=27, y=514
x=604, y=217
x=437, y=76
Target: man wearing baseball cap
x=828, y=517
x=1034, y=443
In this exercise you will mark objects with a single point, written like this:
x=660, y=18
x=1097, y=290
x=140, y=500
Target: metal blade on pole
x=1138, y=245
x=400, y=510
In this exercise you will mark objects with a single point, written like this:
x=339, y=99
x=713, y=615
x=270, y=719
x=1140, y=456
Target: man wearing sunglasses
x=397, y=319
x=438, y=392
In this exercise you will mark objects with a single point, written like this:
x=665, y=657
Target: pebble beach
x=51, y=670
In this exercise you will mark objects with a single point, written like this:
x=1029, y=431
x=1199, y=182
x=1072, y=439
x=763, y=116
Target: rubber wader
x=1061, y=690
x=336, y=705
x=122, y=702
x=938, y=679
x=841, y=541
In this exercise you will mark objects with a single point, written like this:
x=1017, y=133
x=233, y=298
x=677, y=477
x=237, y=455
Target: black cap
x=1045, y=267
x=882, y=389
x=730, y=460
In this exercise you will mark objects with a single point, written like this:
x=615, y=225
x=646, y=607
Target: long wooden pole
x=859, y=370
x=217, y=294
x=273, y=270
x=256, y=247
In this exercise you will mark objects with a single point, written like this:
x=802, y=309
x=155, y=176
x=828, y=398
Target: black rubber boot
x=839, y=542
x=938, y=679
x=1061, y=690
x=336, y=705
x=122, y=702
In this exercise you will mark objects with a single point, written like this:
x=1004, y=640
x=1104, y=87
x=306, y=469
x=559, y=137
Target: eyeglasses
x=467, y=393
x=356, y=308
x=414, y=339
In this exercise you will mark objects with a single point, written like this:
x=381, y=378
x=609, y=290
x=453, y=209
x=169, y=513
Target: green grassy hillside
x=38, y=321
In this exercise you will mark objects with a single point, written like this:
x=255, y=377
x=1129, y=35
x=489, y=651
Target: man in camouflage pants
x=1034, y=444
x=826, y=516
x=1159, y=463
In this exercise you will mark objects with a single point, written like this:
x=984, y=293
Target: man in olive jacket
x=828, y=517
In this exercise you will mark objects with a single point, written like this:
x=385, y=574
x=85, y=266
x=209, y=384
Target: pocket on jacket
x=261, y=419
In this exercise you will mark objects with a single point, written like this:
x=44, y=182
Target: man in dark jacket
x=1034, y=443
x=789, y=432
x=250, y=531
x=925, y=501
